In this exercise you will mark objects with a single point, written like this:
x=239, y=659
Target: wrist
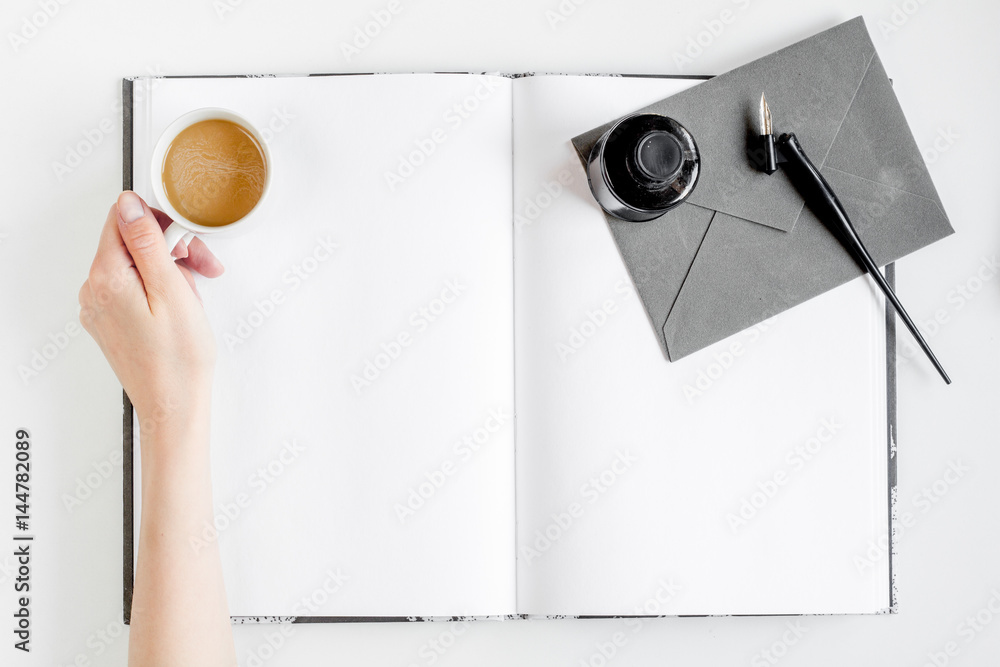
x=175, y=417
x=161, y=399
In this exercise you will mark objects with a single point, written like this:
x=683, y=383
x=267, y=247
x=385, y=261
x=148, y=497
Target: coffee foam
x=214, y=172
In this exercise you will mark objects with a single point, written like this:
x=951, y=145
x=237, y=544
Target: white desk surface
x=61, y=76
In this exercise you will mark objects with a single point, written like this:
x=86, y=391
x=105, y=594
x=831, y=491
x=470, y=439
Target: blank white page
x=393, y=496
x=632, y=472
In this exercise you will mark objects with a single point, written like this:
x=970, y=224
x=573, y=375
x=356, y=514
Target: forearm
x=143, y=310
x=179, y=610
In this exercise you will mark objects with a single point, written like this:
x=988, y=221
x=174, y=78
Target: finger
x=203, y=260
x=161, y=217
x=112, y=255
x=113, y=268
x=144, y=239
x=199, y=257
x=86, y=299
x=186, y=272
x=83, y=296
x=180, y=250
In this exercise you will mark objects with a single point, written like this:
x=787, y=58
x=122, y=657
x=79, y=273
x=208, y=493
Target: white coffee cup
x=181, y=227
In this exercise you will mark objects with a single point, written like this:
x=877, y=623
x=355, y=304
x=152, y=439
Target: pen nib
x=769, y=162
x=765, y=117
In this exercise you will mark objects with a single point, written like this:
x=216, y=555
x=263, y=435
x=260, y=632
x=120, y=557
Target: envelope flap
x=809, y=86
x=875, y=145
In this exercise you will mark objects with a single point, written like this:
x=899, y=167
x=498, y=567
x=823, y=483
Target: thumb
x=142, y=236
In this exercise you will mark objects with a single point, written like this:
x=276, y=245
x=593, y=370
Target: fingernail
x=180, y=250
x=130, y=207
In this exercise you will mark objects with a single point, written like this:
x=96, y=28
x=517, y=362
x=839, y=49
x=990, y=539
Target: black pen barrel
x=819, y=196
x=770, y=154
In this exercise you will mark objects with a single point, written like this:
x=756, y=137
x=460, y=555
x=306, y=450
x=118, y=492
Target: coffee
x=214, y=172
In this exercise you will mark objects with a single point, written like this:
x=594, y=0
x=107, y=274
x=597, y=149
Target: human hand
x=144, y=311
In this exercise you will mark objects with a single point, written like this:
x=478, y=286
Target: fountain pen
x=820, y=198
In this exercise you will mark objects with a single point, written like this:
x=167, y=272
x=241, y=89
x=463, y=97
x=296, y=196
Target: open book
x=438, y=394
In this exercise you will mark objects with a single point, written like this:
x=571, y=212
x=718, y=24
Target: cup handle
x=174, y=234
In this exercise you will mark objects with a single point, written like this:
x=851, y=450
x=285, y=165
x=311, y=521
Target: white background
x=62, y=85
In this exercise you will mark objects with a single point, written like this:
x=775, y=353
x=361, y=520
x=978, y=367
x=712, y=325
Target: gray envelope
x=743, y=247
